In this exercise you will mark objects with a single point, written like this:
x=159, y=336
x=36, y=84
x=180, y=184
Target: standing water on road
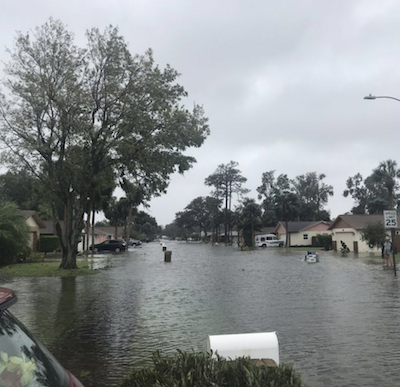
x=337, y=321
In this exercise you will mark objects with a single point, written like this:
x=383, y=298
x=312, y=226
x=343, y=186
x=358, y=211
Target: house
x=35, y=225
x=301, y=233
x=265, y=230
x=347, y=229
x=100, y=233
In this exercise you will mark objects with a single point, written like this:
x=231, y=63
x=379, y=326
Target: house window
x=305, y=236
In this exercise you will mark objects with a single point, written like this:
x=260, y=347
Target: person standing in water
x=387, y=250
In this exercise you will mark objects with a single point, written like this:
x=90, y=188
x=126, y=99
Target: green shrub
x=35, y=258
x=323, y=240
x=200, y=369
x=14, y=233
x=47, y=244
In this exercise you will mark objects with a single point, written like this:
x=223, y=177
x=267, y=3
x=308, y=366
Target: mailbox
x=263, y=345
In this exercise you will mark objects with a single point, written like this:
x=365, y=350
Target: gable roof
x=48, y=228
x=266, y=230
x=358, y=222
x=31, y=213
x=299, y=226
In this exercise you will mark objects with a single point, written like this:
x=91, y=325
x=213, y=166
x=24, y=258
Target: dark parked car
x=116, y=245
x=24, y=361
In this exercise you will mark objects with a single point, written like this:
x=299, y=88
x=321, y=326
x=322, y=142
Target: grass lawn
x=44, y=269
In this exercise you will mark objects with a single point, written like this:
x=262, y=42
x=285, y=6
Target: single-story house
x=347, y=229
x=301, y=233
x=35, y=225
x=100, y=233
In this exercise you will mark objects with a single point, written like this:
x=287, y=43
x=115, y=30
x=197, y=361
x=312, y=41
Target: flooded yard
x=337, y=320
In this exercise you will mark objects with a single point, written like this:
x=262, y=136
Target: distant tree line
x=303, y=198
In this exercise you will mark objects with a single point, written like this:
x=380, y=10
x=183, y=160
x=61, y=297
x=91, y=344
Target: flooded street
x=337, y=321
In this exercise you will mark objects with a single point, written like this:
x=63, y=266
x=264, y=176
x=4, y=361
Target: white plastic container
x=263, y=345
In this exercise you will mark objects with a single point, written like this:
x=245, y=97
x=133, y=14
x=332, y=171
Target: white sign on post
x=390, y=218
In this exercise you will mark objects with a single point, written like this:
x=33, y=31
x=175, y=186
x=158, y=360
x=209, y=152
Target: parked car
x=268, y=240
x=134, y=242
x=24, y=361
x=116, y=245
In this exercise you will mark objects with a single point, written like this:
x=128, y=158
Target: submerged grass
x=44, y=269
x=200, y=369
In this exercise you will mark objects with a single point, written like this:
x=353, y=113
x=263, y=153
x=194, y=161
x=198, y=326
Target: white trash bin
x=263, y=345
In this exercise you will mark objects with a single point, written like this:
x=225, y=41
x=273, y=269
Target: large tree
x=24, y=189
x=267, y=192
x=250, y=220
x=69, y=114
x=227, y=180
x=313, y=194
x=387, y=174
x=288, y=208
x=145, y=225
x=377, y=192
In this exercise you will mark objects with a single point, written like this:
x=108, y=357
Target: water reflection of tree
x=64, y=322
x=80, y=328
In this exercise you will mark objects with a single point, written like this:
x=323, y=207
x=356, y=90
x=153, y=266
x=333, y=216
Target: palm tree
x=387, y=173
x=288, y=207
x=14, y=233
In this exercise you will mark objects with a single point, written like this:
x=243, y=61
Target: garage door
x=347, y=238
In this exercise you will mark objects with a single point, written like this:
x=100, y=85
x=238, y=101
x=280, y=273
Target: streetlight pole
x=392, y=229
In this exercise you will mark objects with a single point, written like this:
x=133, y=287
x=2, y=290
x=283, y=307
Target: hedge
x=47, y=244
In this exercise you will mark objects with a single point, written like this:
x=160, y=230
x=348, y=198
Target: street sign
x=390, y=218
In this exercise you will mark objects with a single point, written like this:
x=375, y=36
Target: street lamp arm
x=381, y=96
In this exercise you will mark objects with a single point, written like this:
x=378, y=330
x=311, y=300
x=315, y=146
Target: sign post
x=390, y=217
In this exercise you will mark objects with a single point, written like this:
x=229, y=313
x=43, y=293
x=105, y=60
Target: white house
x=301, y=233
x=347, y=229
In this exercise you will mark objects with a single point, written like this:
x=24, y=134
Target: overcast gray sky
x=282, y=82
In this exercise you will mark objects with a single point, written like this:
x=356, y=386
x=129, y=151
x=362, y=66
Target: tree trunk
x=129, y=225
x=226, y=216
x=93, y=215
x=390, y=199
x=230, y=214
x=70, y=234
x=87, y=233
x=252, y=233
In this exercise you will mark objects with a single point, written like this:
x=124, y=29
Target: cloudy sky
x=282, y=82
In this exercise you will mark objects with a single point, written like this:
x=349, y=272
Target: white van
x=268, y=240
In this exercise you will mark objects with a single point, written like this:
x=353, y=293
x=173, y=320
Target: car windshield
x=24, y=362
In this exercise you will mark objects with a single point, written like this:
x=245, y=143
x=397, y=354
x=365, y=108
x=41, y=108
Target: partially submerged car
x=116, y=245
x=24, y=361
x=134, y=242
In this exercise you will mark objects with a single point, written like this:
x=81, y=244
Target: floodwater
x=337, y=321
